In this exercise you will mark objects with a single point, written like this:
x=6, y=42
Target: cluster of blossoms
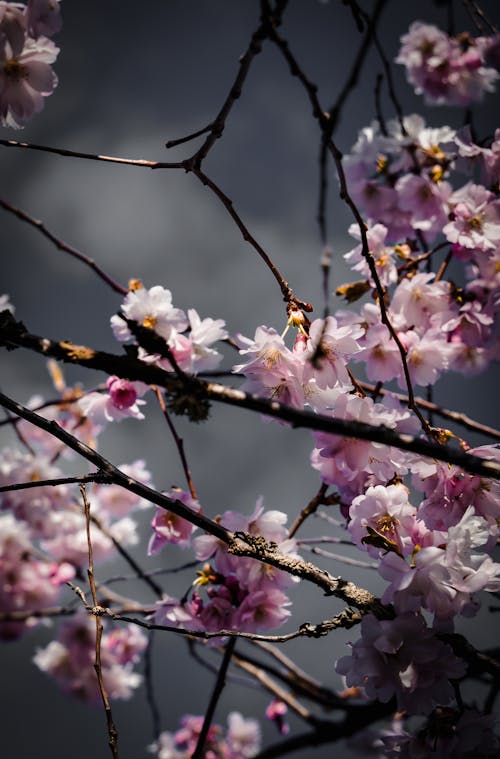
x=241, y=740
x=186, y=340
x=449, y=70
x=26, y=55
x=70, y=658
x=242, y=594
x=43, y=545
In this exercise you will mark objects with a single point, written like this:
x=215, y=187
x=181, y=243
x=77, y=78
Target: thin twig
x=97, y=612
x=92, y=477
x=188, y=137
x=276, y=690
x=64, y=246
x=287, y=292
x=178, y=442
x=311, y=507
x=148, y=681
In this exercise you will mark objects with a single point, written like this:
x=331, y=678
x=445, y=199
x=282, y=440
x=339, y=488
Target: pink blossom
x=388, y=511
x=27, y=582
x=262, y=610
x=443, y=69
x=37, y=507
x=333, y=345
x=70, y=660
x=243, y=736
x=171, y=528
x=121, y=402
x=26, y=77
x=276, y=711
x=353, y=464
x=68, y=539
x=112, y=501
x=240, y=741
x=425, y=201
x=444, y=579
x=401, y=658
x=476, y=218
x=272, y=369
x=382, y=255
x=152, y=309
x=416, y=300
x=44, y=17
x=380, y=354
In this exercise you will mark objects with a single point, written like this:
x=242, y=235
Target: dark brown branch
x=139, y=572
x=92, y=477
x=64, y=246
x=311, y=507
x=14, y=334
x=114, y=474
x=188, y=137
x=237, y=544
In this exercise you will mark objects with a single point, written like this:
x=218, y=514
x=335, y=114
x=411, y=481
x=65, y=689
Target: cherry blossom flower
x=122, y=400
x=353, y=464
x=382, y=254
x=26, y=75
x=70, y=660
x=332, y=345
x=388, y=512
x=35, y=506
x=476, y=218
x=241, y=739
x=444, y=580
x=43, y=17
x=275, y=711
x=171, y=528
x=27, y=582
x=402, y=658
x=445, y=69
x=152, y=309
x=272, y=369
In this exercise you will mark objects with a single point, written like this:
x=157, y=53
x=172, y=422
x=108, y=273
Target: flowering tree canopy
x=406, y=490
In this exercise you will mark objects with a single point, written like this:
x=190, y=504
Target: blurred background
x=132, y=76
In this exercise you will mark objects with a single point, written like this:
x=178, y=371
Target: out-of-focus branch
x=97, y=612
x=216, y=694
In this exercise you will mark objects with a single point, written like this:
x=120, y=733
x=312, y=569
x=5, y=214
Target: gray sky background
x=133, y=75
